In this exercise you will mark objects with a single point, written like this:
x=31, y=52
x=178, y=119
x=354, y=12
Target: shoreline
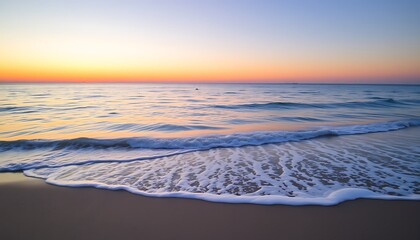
x=33, y=209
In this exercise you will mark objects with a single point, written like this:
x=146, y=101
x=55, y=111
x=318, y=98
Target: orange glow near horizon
x=84, y=60
x=59, y=72
x=207, y=42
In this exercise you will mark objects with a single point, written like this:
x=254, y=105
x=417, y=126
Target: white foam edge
x=333, y=198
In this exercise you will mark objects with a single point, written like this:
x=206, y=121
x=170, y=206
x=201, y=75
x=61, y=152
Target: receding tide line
x=18, y=168
x=334, y=198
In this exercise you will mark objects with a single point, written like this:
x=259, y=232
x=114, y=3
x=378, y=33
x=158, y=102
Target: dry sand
x=32, y=209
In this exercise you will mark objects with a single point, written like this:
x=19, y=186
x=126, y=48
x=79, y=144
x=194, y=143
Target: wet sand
x=32, y=209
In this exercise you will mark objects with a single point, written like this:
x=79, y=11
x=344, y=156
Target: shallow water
x=255, y=143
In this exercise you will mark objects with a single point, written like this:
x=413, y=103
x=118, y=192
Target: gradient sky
x=215, y=40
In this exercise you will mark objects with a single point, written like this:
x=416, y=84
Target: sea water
x=239, y=143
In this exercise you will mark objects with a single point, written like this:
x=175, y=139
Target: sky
x=333, y=41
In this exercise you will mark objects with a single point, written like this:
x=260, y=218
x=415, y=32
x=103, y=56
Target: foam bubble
x=84, y=150
x=323, y=171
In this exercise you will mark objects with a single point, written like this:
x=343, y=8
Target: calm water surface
x=64, y=111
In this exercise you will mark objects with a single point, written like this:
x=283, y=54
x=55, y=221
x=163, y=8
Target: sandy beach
x=209, y=120
x=33, y=209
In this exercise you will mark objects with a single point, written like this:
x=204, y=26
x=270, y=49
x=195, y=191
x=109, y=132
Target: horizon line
x=208, y=82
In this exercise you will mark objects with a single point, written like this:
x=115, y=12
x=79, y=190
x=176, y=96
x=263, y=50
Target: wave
x=378, y=102
x=16, y=110
x=208, y=142
x=6, y=109
x=134, y=127
x=321, y=172
x=33, y=109
x=298, y=119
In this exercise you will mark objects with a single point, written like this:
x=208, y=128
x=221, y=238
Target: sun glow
x=148, y=43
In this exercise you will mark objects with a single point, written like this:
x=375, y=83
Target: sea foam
x=324, y=171
x=377, y=158
x=47, y=153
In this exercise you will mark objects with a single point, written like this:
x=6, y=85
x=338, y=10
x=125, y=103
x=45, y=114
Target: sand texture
x=32, y=209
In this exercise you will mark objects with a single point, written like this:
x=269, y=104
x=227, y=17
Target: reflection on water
x=6, y=178
x=174, y=140
x=64, y=111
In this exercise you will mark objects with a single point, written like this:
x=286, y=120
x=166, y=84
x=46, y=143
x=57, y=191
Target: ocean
x=292, y=144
